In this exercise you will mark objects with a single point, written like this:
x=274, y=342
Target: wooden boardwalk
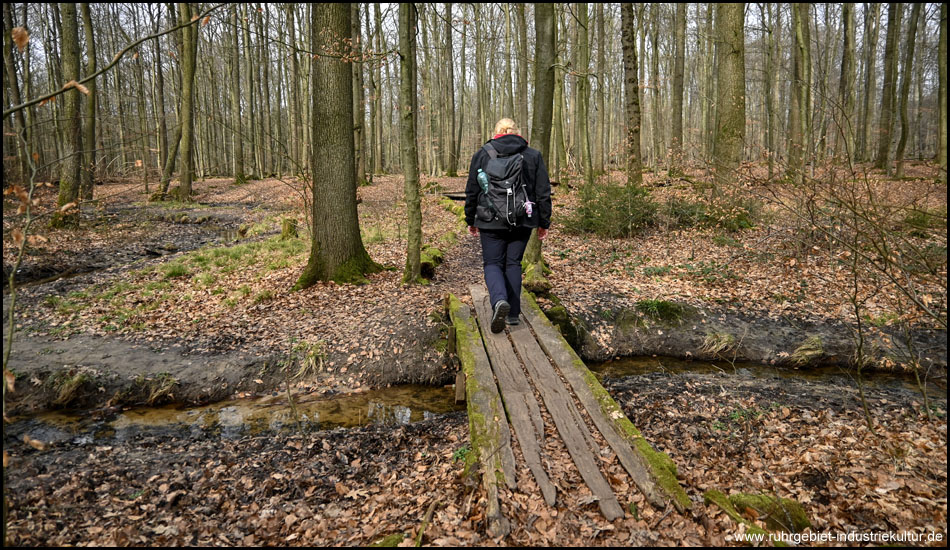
x=506, y=372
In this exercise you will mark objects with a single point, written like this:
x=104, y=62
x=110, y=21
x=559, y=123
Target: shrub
x=612, y=210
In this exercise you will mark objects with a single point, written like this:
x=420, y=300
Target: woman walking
x=507, y=195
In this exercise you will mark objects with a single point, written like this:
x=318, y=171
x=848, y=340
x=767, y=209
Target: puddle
x=636, y=366
x=391, y=406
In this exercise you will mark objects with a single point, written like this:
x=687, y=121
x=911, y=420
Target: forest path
x=552, y=403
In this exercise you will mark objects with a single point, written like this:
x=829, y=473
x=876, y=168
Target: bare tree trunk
x=631, y=97
x=891, y=47
x=407, y=131
x=14, y=87
x=337, y=252
x=847, y=123
x=872, y=27
x=189, y=57
x=799, y=129
x=676, y=140
x=601, y=130
x=583, y=92
x=359, y=123
x=72, y=122
x=237, y=139
x=522, y=100
x=908, y=73
x=451, y=159
x=545, y=48
x=730, y=135
x=942, y=96
x=88, y=172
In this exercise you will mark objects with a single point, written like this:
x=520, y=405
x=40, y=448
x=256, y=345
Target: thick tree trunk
x=631, y=97
x=72, y=122
x=888, y=103
x=337, y=252
x=908, y=73
x=407, y=134
x=730, y=134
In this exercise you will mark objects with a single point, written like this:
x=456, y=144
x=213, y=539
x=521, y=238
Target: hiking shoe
x=498, y=319
x=516, y=320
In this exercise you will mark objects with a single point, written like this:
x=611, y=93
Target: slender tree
x=72, y=122
x=237, y=139
x=407, y=134
x=88, y=171
x=888, y=93
x=800, y=108
x=545, y=28
x=359, y=122
x=336, y=252
x=19, y=118
x=188, y=65
x=906, y=77
x=847, y=124
x=942, y=96
x=676, y=140
x=872, y=27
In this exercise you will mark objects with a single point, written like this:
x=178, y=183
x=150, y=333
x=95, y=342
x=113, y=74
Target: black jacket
x=536, y=181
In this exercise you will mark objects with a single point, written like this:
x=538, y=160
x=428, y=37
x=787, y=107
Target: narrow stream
x=390, y=406
x=235, y=418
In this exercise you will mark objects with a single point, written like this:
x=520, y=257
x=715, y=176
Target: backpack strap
x=490, y=149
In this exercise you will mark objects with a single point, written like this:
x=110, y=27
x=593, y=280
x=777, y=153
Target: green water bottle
x=482, y=178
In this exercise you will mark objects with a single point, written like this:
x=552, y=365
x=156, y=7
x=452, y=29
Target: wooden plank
x=523, y=410
x=575, y=434
x=653, y=472
x=488, y=429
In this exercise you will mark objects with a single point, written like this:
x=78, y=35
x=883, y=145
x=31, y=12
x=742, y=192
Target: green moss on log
x=779, y=514
x=288, y=229
x=390, y=541
x=719, y=499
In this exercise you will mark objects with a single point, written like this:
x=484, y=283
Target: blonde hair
x=506, y=126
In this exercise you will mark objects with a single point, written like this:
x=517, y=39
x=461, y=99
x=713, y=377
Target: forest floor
x=188, y=303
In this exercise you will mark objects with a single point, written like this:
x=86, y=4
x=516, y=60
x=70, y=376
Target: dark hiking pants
x=502, y=251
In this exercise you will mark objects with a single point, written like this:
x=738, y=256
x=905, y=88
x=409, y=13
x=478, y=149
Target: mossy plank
x=653, y=472
x=520, y=403
x=488, y=427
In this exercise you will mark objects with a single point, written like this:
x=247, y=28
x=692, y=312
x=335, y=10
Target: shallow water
x=390, y=406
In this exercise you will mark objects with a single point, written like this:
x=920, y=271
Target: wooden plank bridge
x=504, y=374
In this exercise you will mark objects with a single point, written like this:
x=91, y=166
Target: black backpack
x=506, y=196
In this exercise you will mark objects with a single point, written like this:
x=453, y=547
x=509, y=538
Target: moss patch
x=809, y=353
x=663, y=311
x=780, y=514
x=719, y=499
